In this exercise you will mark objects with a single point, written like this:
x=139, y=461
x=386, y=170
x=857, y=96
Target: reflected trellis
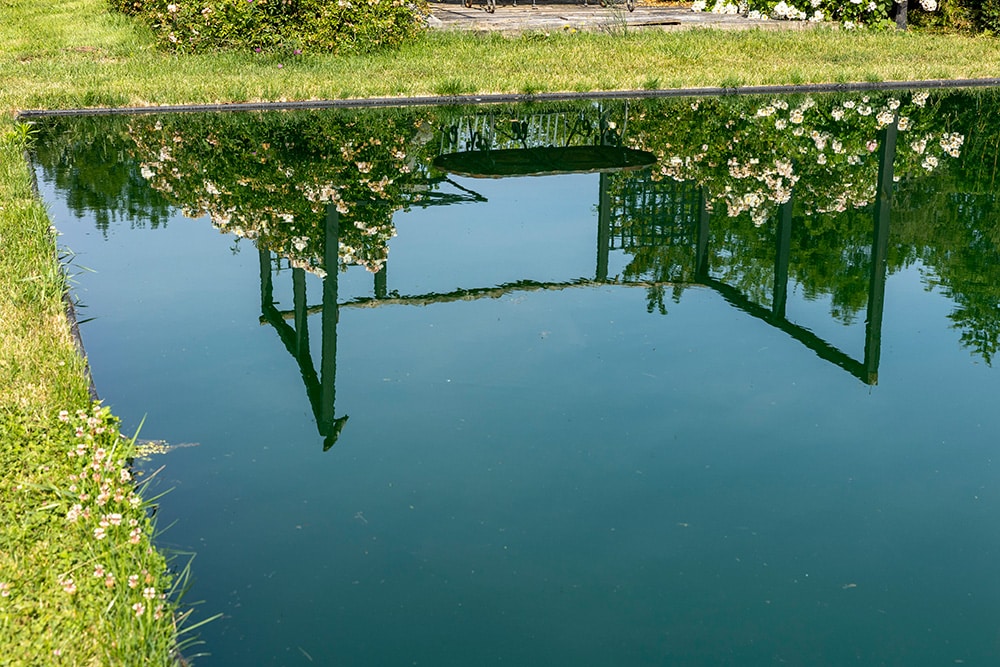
x=589, y=126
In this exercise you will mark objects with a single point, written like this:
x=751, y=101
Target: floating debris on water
x=146, y=448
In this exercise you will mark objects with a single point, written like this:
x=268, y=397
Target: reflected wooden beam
x=820, y=347
x=474, y=294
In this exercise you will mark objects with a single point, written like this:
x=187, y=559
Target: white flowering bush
x=749, y=154
x=850, y=13
x=270, y=177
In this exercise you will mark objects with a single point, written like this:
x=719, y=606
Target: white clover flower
x=699, y=6
x=929, y=5
x=929, y=163
x=903, y=123
x=919, y=146
x=68, y=585
x=920, y=97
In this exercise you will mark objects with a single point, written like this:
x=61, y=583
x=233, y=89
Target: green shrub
x=334, y=26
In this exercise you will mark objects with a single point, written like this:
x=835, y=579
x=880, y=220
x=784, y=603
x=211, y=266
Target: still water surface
x=718, y=399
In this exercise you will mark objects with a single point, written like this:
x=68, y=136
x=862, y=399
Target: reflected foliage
x=270, y=177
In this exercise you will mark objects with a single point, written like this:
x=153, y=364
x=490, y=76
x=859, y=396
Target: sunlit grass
x=80, y=55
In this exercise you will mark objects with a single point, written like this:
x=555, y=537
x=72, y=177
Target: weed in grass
x=20, y=136
x=100, y=98
x=873, y=77
x=451, y=87
x=617, y=23
x=731, y=81
x=651, y=83
x=795, y=78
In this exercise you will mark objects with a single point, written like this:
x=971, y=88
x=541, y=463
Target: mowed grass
x=77, y=54
x=59, y=54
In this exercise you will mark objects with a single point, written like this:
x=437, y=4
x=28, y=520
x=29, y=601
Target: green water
x=734, y=408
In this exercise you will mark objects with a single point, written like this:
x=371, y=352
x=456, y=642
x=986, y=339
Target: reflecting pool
x=674, y=381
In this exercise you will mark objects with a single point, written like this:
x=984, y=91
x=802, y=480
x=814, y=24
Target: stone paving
x=549, y=17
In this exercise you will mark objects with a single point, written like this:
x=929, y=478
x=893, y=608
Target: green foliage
x=968, y=16
x=988, y=19
x=290, y=26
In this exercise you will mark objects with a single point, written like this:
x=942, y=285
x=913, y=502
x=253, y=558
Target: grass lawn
x=65, y=593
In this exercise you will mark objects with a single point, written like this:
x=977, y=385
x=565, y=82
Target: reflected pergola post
x=329, y=425
x=603, y=229
x=701, y=245
x=783, y=242
x=320, y=387
x=880, y=252
x=381, y=282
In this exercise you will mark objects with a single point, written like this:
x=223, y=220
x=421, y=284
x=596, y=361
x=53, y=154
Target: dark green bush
x=332, y=26
x=968, y=16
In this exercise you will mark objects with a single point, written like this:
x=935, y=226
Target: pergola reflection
x=321, y=384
